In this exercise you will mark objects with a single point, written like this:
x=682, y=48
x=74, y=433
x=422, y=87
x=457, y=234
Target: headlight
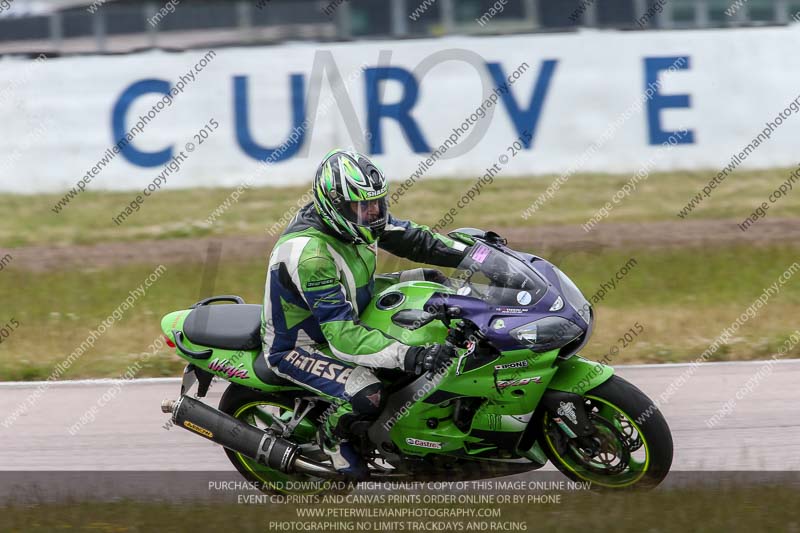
x=548, y=333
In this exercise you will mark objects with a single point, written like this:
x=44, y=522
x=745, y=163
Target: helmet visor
x=366, y=213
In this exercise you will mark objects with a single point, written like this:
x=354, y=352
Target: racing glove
x=421, y=359
x=435, y=275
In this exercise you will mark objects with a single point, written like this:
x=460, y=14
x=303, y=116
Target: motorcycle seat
x=266, y=374
x=229, y=326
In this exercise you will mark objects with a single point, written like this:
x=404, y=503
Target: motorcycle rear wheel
x=258, y=409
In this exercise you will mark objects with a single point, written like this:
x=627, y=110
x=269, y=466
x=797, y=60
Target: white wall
x=55, y=116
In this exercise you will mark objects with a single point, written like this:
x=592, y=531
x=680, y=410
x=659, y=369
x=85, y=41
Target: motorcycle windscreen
x=497, y=278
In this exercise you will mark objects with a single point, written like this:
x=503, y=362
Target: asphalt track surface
x=761, y=433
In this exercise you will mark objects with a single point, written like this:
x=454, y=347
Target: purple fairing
x=499, y=290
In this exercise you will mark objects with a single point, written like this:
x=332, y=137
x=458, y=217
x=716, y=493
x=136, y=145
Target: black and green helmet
x=350, y=196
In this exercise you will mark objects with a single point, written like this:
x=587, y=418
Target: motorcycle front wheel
x=631, y=447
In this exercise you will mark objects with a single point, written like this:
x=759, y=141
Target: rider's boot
x=334, y=442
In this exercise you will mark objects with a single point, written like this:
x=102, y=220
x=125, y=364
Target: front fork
x=568, y=411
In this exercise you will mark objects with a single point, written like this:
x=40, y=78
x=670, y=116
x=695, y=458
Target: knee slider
x=369, y=401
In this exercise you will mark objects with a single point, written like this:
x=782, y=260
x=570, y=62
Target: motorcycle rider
x=321, y=276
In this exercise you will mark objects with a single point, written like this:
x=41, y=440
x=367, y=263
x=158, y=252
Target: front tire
x=634, y=440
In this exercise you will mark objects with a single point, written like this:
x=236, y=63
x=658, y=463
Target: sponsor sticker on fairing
x=523, y=297
x=518, y=364
x=504, y=384
x=424, y=443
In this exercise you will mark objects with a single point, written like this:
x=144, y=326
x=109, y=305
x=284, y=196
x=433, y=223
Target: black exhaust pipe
x=216, y=426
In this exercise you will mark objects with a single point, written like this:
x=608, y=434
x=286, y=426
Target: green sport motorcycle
x=516, y=396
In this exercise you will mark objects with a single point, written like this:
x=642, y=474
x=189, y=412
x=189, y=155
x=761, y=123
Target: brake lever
x=468, y=337
x=460, y=364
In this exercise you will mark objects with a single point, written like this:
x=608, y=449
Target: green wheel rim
x=255, y=414
x=638, y=462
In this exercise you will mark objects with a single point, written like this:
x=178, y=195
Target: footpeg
x=298, y=415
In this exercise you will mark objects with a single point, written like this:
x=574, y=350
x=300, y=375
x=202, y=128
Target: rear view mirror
x=466, y=235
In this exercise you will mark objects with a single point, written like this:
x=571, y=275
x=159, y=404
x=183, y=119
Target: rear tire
x=636, y=426
x=244, y=403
